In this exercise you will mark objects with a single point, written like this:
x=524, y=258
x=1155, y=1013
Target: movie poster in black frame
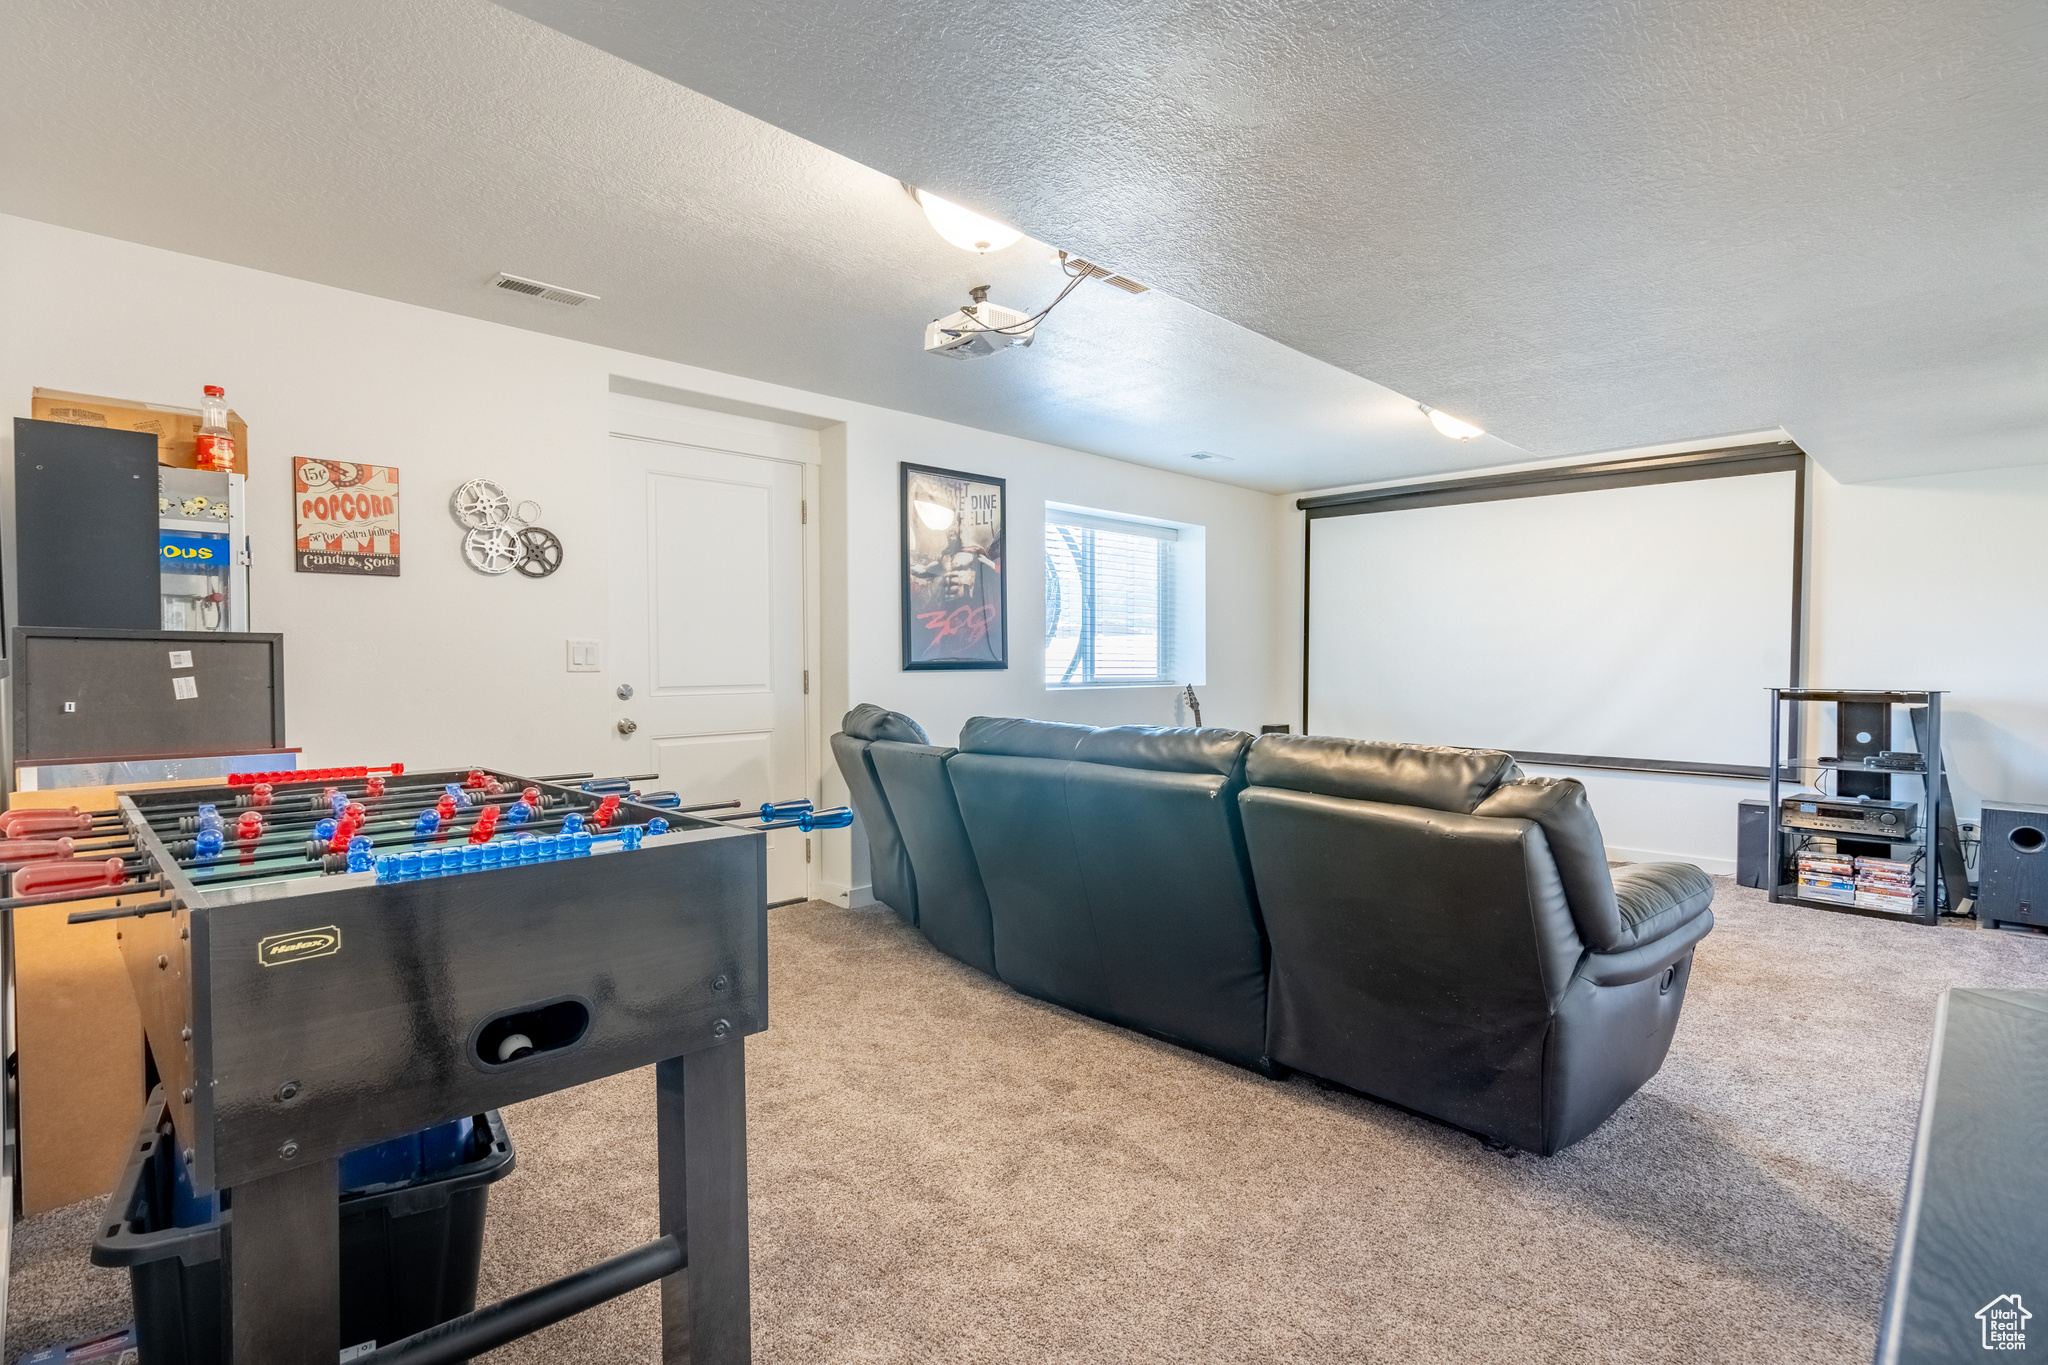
x=955, y=599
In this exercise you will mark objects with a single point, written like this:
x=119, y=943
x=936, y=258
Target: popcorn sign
x=347, y=517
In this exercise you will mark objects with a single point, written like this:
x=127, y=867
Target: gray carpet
x=943, y=1170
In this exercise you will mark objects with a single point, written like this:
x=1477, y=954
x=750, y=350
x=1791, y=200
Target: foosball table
x=328, y=960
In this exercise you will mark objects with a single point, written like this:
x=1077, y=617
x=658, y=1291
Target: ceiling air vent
x=553, y=293
x=1096, y=272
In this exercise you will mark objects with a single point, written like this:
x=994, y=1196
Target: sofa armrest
x=1656, y=899
x=1648, y=959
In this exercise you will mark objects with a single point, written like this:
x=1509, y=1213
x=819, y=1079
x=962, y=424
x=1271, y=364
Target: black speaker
x=1754, y=865
x=2012, y=864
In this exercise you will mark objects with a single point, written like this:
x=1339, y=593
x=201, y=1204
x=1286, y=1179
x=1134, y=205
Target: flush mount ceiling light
x=964, y=228
x=936, y=515
x=1449, y=425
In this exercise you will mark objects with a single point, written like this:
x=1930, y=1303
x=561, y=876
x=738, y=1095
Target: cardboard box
x=176, y=429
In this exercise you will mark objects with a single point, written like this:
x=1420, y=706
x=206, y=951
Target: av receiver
x=1865, y=817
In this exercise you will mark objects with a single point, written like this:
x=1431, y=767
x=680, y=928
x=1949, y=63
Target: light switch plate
x=583, y=656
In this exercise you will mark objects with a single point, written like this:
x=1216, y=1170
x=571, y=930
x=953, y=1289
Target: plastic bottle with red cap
x=216, y=444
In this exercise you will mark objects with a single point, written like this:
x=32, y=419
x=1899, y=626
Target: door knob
x=627, y=727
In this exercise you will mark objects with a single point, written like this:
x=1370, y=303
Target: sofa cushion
x=1365, y=770
x=868, y=721
x=1165, y=750
x=1021, y=738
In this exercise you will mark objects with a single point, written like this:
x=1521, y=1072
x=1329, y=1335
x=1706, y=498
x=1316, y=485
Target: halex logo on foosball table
x=346, y=517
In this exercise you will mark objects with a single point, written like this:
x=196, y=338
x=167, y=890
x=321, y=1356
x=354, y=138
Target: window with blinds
x=1108, y=601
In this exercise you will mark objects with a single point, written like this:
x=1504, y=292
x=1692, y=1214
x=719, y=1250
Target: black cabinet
x=85, y=526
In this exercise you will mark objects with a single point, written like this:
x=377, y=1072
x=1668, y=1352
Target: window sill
x=1108, y=686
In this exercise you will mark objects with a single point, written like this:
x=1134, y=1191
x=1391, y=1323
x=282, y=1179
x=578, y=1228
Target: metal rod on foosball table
x=275, y=859
x=306, y=794
x=301, y=825
x=261, y=867
x=109, y=845
x=300, y=794
x=395, y=832
x=86, y=893
x=309, y=809
x=307, y=798
x=122, y=911
x=275, y=873
x=275, y=835
x=226, y=867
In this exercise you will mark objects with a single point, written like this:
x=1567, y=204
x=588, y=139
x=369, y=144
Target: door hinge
x=804, y=517
x=807, y=850
x=807, y=682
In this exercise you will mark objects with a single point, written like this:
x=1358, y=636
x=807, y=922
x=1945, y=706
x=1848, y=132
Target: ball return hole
x=530, y=1031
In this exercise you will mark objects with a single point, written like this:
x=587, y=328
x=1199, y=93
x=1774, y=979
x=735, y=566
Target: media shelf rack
x=1863, y=729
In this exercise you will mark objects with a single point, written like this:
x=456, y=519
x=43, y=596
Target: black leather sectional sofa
x=1424, y=925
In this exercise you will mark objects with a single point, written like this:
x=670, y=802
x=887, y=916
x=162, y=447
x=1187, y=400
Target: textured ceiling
x=413, y=148
x=1584, y=225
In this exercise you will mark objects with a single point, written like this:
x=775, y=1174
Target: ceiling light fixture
x=965, y=228
x=1449, y=425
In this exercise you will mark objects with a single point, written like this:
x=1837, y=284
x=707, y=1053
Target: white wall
x=1913, y=583
x=443, y=665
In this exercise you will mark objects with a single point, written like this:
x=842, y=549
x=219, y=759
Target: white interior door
x=708, y=548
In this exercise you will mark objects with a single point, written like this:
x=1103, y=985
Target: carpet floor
x=944, y=1170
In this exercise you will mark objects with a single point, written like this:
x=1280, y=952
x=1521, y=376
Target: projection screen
x=1626, y=615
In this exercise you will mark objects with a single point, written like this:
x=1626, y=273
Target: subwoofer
x=2012, y=864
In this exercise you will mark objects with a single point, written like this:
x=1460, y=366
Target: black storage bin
x=410, y=1248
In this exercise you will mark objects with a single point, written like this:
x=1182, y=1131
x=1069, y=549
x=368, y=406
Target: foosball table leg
x=284, y=1267
x=701, y=1107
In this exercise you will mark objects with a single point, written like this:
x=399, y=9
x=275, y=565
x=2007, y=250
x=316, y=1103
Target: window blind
x=1108, y=601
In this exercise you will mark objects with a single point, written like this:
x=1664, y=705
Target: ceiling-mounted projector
x=981, y=328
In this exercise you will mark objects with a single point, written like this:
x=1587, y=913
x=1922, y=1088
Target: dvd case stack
x=1827, y=877
x=1885, y=884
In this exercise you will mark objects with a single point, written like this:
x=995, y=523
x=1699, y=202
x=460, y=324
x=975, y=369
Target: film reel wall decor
x=500, y=535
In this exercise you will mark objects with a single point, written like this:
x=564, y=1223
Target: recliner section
x=952, y=905
x=895, y=885
x=1426, y=925
x=1454, y=942
x=1116, y=877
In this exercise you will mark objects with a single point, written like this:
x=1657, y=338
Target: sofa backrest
x=951, y=903
x=1559, y=806
x=1484, y=782
x=1424, y=775
x=1116, y=874
x=870, y=722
